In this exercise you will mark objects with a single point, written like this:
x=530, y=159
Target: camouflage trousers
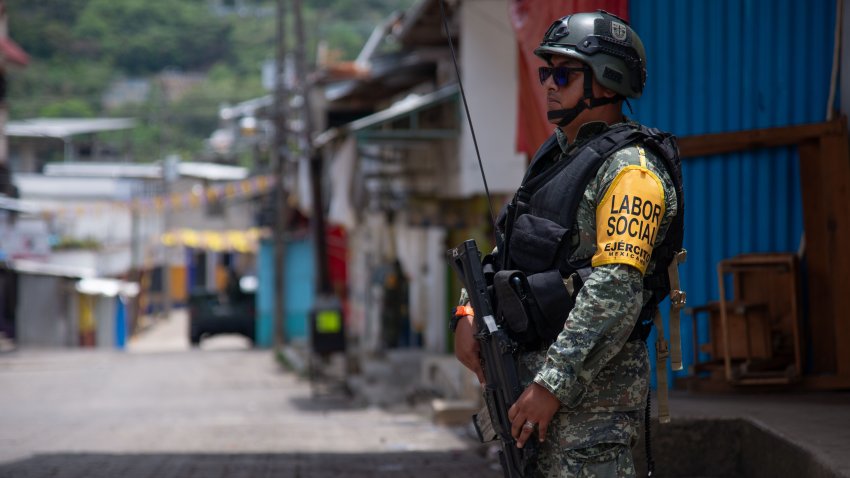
x=589, y=445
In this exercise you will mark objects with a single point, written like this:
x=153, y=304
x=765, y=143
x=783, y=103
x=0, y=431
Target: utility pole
x=168, y=175
x=323, y=283
x=327, y=309
x=281, y=208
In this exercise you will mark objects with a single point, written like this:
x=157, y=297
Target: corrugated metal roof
x=37, y=186
x=108, y=170
x=730, y=65
x=66, y=127
x=208, y=171
x=49, y=269
x=212, y=171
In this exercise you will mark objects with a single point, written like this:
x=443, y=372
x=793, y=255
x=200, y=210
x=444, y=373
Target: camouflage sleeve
x=608, y=304
x=595, y=331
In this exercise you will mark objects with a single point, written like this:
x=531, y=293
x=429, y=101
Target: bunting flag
x=196, y=198
x=219, y=241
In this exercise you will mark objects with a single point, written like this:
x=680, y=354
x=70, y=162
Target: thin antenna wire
x=469, y=120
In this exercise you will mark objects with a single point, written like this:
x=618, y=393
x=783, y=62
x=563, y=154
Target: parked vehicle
x=212, y=313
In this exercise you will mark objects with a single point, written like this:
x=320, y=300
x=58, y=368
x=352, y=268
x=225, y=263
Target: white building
x=404, y=180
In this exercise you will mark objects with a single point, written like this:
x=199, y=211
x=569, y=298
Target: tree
x=45, y=27
x=148, y=36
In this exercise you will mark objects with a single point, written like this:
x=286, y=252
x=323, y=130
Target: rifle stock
x=498, y=360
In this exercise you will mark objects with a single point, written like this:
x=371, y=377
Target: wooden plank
x=828, y=382
x=820, y=291
x=719, y=143
x=835, y=158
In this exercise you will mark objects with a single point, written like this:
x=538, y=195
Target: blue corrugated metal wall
x=730, y=65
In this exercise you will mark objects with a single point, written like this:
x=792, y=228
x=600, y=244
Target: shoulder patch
x=628, y=218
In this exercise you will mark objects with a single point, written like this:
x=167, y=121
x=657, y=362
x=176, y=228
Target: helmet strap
x=588, y=101
x=567, y=115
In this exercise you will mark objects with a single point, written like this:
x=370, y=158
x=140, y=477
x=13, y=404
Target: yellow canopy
x=220, y=241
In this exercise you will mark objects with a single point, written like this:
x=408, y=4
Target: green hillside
x=79, y=48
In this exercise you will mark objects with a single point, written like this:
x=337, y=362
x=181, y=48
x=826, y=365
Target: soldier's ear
x=606, y=92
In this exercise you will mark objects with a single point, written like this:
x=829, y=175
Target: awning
x=107, y=287
x=244, y=241
x=371, y=127
x=16, y=205
x=387, y=75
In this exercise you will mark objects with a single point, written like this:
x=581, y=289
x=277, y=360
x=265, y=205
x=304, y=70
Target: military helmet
x=606, y=43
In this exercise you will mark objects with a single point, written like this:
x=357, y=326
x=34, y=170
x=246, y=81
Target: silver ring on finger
x=529, y=425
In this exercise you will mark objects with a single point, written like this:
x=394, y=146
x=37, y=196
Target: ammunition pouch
x=534, y=301
x=536, y=244
x=534, y=307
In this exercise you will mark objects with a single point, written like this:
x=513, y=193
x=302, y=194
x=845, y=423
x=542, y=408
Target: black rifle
x=499, y=362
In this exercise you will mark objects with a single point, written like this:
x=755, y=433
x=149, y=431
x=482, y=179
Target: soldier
x=587, y=383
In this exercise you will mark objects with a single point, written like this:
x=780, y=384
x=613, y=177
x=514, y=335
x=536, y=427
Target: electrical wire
x=469, y=120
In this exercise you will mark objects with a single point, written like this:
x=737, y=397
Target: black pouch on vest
x=533, y=307
x=536, y=243
x=552, y=302
x=514, y=307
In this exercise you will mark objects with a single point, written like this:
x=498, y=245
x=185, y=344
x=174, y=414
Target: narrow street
x=162, y=409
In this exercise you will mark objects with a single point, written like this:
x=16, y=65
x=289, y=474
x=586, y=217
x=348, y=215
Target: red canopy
x=12, y=52
x=530, y=20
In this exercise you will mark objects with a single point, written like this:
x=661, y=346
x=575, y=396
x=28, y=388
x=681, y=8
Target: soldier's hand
x=533, y=409
x=467, y=348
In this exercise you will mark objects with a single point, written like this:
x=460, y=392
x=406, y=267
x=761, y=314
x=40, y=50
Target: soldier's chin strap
x=588, y=101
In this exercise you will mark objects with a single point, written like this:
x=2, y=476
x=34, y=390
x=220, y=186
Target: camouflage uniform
x=600, y=378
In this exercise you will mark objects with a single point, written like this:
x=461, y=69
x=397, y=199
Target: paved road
x=221, y=411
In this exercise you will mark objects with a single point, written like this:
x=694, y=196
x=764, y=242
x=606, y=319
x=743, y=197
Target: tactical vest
x=534, y=263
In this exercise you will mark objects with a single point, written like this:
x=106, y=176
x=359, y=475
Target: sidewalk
x=766, y=434
x=815, y=426
x=204, y=413
x=162, y=409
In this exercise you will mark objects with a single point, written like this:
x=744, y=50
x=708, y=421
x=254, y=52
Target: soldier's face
x=566, y=96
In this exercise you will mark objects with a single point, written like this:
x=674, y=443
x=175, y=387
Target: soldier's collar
x=585, y=132
x=590, y=130
x=563, y=142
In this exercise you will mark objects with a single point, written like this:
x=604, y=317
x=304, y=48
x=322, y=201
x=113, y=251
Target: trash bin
x=327, y=328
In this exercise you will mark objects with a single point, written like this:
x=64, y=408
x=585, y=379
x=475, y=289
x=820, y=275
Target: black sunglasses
x=560, y=74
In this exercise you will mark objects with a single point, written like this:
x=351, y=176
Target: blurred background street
x=223, y=228
x=225, y=410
